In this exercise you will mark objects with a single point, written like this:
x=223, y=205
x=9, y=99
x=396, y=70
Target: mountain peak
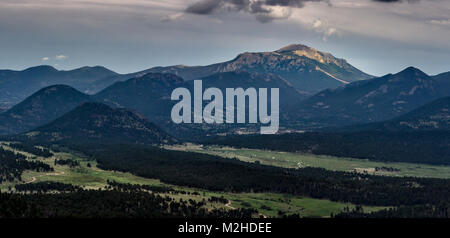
x=41, y=68
x=56, y=87
x=412, y=70
x=92, y=121
x=300, y=50
x=97, y=68
x=42, y=107
x=412, y=73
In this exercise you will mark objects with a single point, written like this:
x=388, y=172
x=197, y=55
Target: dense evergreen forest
x=59, y=200
x=32, y=149
x=67, y=162
x=441, y=210
x=429, y=147
x=44, y=187
x=220, y=174
x=114, y=203
x=13, y=164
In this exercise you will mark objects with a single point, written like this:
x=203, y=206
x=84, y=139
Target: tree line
x=12, y=165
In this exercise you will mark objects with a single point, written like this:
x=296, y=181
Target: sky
x=376, y=36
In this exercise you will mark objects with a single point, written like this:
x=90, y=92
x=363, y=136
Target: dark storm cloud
x=390, y=1
x=386, y=0
x=204, y=7
x=257, y=8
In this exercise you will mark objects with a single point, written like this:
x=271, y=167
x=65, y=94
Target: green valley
x=297, y=160
x=88, y=176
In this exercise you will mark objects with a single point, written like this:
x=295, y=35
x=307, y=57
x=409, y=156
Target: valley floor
x=296, y=160
x=89, y=176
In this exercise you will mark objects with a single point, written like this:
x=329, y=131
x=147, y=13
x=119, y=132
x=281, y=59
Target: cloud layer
x=263, y=10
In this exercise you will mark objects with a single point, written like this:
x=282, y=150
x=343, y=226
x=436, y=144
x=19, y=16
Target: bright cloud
x=60, y=57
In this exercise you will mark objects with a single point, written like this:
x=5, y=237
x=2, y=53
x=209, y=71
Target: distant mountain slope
x=91, y=122
x=444, y=83
x=235, y=79
x=371, y=100
x=40, y=108
x=432, y=116
x=15, y=86
x=150, y=95
x=307, y=69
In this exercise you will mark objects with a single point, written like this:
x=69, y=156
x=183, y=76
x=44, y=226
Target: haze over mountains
x=15, y=86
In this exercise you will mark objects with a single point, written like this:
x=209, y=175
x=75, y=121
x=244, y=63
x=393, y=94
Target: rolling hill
x=96, y=122
x=432, y=116
x=371, y=100
x=40, y=108
x=150, y=95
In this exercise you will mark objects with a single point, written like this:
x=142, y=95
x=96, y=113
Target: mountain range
x=372, y=100
x=367, y=102
x=136, y=93
x=15, y=86
x=306, y=69
x=150, y=95
x=432, y=116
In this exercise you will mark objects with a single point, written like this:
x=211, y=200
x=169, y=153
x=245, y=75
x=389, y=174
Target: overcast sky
x=377, y=36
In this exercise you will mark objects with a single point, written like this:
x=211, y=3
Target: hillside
x=444, y=83
x=40, y=108
x=432, y=116
x=95, y=122
x=368, y=101
x=150, y=95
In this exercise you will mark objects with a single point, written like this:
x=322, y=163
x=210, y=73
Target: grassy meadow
x=89, y=176
x=296, y=160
